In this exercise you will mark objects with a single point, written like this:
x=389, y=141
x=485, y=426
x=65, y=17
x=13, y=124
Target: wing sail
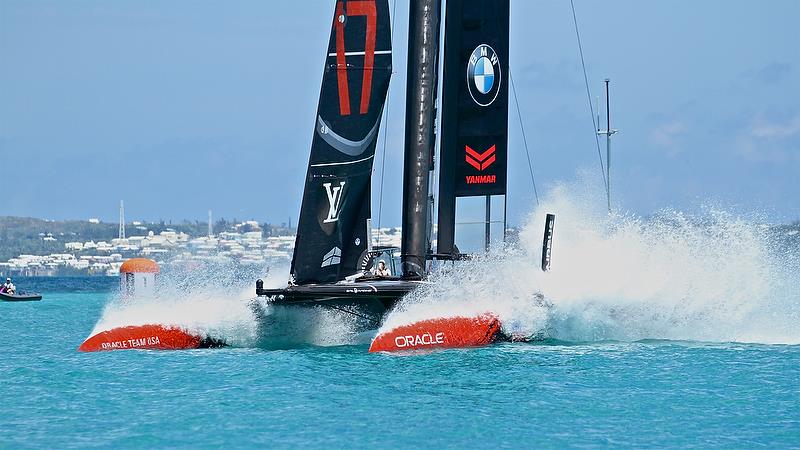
x=474, y=108
x=332, y=230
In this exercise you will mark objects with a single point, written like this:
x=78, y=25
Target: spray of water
x=217, y=300
x=706, y=277
x=212, y=299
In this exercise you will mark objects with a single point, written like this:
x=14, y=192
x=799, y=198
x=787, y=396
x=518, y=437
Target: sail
x=475, y=86
x=332, y=230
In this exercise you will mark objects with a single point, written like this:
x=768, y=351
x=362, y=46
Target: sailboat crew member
x=381, y=270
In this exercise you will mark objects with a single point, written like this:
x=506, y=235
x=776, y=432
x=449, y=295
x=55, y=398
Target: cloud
x=763, y=129
x=774, y=72
x=768, y=74
x=667, y=135
x=775, y=141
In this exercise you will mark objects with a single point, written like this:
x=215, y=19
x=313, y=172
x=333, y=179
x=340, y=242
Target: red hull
x=454, y=332
x=142, y=337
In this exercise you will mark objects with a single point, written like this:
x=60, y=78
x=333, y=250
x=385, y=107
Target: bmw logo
x=483, y=75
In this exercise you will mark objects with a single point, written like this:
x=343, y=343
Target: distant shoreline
x=44, y=248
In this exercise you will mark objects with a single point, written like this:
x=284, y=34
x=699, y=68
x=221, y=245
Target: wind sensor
x=608, y=132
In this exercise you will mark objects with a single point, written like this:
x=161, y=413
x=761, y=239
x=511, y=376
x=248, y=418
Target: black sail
x=332, y=230
x=475, y=87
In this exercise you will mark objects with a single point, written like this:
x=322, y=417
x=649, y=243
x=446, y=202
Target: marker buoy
x=453, y=332
x=138, y=276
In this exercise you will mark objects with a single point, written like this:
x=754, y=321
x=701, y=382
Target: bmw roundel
x=483, y=75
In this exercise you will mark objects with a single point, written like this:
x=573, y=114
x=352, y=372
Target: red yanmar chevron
x=483, y=160
x=143, y=337
x=453, y=332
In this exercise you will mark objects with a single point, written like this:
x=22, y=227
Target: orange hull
x=142, y=337
x=454, y=332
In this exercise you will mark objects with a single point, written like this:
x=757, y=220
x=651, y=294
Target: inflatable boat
x=21, y=297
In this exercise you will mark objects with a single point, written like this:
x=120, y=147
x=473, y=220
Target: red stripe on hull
x=143, y=337
x=454, y=332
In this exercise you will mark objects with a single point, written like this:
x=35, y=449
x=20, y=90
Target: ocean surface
x=620, y=393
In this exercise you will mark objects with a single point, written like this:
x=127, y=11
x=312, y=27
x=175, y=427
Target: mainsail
x=332, y=231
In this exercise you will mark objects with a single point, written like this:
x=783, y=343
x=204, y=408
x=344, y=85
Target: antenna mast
x=608, y=132
x=121, y=220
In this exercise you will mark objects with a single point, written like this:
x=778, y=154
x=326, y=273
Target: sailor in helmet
x=8, y=287
x=381, y=270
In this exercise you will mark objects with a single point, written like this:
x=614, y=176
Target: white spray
x=712, y=277
x=210, y=300
x=218, y=301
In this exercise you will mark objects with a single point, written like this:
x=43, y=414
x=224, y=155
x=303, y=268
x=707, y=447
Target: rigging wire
x=524, y=139
x=595, y=125
x=385, y=131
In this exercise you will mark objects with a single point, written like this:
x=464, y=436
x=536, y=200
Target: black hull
x=367, y=299
x=20, y=297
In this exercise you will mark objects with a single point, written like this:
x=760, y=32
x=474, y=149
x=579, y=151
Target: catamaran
x=332, y=265
x=334, y=256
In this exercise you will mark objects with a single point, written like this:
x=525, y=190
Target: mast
x=608, y=132
x=423, y=60
x=121, y=219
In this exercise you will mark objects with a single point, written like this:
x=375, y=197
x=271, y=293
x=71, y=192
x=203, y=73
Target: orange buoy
x=139, y=265
x=137, y=276
x=453, y=332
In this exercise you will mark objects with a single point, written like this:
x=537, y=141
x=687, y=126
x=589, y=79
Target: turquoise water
x=642, y=394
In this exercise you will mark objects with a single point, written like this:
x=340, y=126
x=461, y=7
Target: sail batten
x=332, y=230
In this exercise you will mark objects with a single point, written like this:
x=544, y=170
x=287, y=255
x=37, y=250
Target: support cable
x=524, y=139
x=595, y=125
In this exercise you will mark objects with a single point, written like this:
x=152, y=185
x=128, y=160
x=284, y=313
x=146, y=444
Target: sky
x=184, y=106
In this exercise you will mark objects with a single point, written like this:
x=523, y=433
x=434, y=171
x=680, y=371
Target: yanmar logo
x=419, y=340
x=481, y=161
